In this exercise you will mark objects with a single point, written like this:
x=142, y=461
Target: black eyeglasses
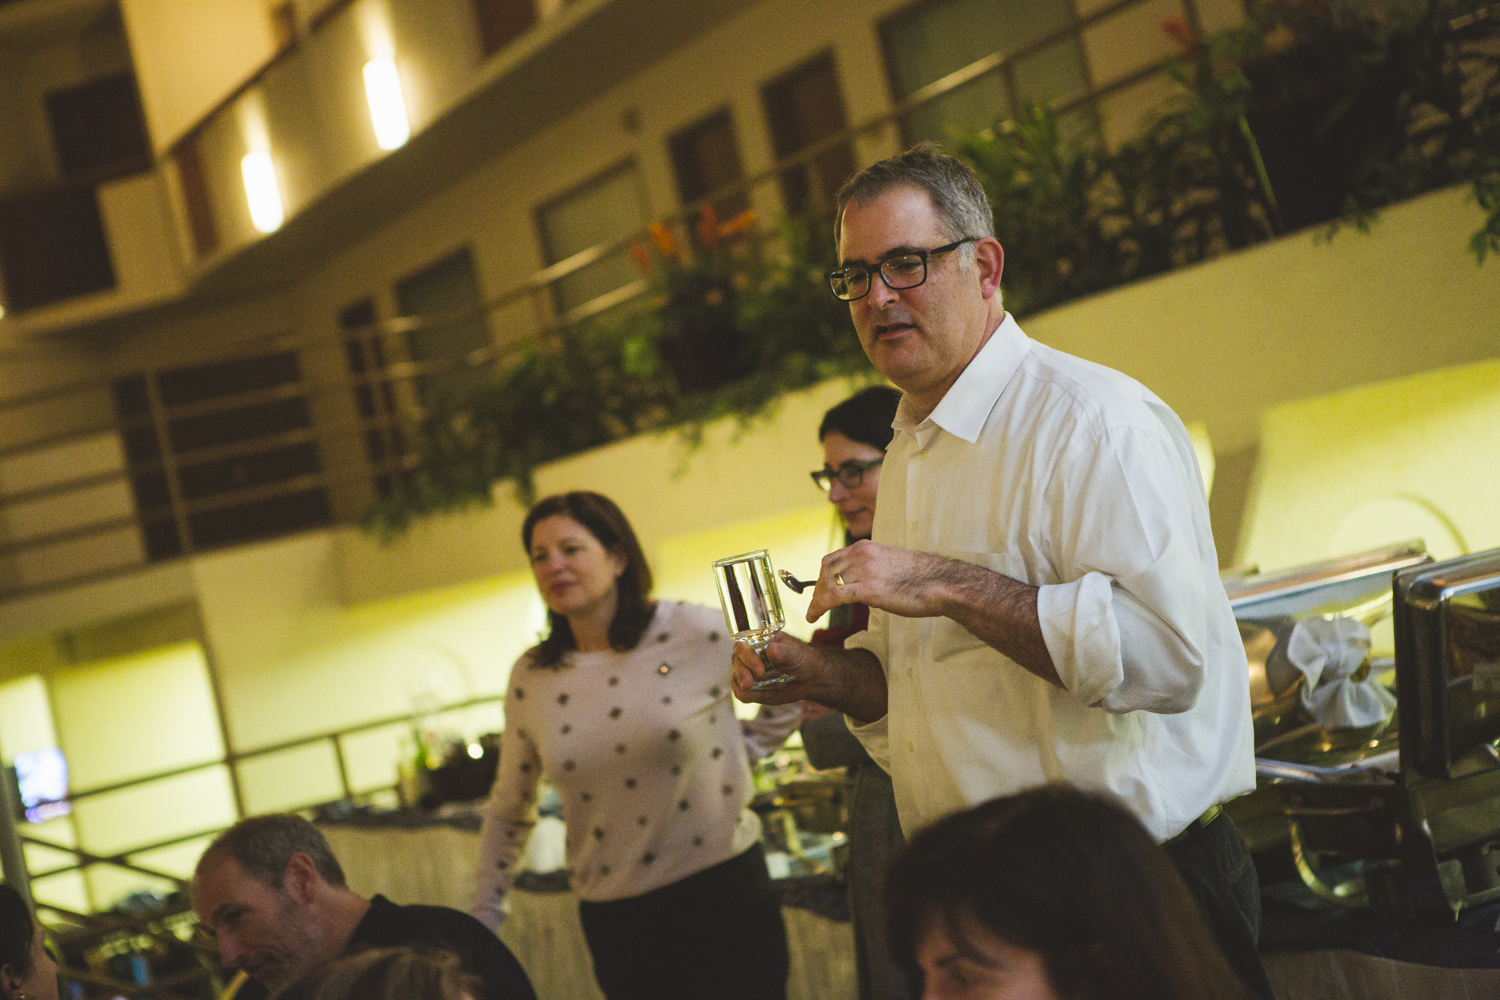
x=850, y=473
x=900, y=271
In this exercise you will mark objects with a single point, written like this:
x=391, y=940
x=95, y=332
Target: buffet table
x=433, y=863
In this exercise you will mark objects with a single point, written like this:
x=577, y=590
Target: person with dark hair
x=854, y=435
x=270, y=890
x=27, y=971
x=386, y=974
x=1050, y=893
x=625, y=707
x=1043, y=583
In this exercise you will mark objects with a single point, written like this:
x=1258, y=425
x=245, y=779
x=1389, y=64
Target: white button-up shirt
x=1078, y=480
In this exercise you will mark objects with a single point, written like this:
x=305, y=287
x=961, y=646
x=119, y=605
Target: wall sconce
x=266, y=212
x=387, y=105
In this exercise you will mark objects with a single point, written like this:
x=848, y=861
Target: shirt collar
x=967, y=404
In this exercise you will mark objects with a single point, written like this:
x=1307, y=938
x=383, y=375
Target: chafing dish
x=1418, y=810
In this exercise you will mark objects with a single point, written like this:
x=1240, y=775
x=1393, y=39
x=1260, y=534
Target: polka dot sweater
x=644, y=748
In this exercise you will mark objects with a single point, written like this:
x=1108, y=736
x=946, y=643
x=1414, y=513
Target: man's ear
x=10, y=983
x=301, y=878
x=989, y=260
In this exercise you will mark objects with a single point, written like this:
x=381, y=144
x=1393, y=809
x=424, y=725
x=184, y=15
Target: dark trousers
x=716, y=935
x=1220, y=873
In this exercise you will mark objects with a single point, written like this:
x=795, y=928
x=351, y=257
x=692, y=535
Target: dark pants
x=1219, y=871
x=717, y=934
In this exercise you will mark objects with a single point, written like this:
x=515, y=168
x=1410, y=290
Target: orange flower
x=1176, y=27
x=707, y=228
x=641, y=256
x=739, y=224
x=664, y=240
x=1279, y=39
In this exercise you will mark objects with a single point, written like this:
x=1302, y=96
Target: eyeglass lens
x=899, y=274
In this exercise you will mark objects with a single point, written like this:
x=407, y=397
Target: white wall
x=189, y=54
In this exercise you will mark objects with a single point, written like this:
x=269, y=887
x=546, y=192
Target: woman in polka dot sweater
x=626, y=708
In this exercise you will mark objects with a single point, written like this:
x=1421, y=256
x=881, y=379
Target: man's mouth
x=893, y=328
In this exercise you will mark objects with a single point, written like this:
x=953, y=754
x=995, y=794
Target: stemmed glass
x=752, y=606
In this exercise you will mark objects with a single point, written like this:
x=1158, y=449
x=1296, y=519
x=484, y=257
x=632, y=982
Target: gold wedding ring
x=838, y=578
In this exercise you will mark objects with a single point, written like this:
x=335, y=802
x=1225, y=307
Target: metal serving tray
x=1447, y=618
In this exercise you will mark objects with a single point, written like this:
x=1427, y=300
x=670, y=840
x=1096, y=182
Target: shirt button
x=911, y=672
x=911, y=747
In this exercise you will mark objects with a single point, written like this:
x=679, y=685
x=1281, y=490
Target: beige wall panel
x=97, y=553
x=136, y=715
x=1223, y=340
x=159, y=810
x=189, y=54
x=25, y=717
x=293, y=659
x=72, y=460
x=1130, y=41
x=290, y=779
x=147, y=589
x=1411, y=457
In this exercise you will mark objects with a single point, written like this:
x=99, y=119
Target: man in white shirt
x=1043, y=582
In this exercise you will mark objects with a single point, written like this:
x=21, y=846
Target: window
x=448, y=291
x=503, y=21
x=374, y=399
x=605, y=210
x=239, y=447
x=705, y=157
x=804, y=107
x=926, y=42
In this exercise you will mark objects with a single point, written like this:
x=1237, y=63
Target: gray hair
x=264, y=846
x=957, y=196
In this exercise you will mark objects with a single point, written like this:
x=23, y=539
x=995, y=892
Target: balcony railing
x=102, y=477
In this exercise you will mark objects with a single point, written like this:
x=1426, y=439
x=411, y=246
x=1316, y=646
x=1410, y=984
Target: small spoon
x=795, y=585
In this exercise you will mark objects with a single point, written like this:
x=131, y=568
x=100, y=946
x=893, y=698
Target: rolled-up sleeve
x=1128, y=630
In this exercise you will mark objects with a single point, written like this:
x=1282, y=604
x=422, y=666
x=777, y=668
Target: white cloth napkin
x=1327, y=652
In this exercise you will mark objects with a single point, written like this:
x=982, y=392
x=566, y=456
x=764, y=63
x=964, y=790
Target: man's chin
x=271, y=976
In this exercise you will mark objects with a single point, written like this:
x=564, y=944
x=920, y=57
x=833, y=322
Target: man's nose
x=881, y=294
x=231, y=952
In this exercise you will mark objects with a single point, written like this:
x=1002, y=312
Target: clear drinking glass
x=752, y=605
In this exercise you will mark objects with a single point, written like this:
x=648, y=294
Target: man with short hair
x=272, y=893
x=1044, y=588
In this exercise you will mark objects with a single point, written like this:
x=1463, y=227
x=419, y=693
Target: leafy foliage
x=768, y=323
x=1312, y=111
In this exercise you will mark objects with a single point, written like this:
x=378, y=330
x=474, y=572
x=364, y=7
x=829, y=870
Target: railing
x=174, y=927
x=52, y=545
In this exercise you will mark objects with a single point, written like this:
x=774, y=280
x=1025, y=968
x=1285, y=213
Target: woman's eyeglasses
x=850, y=473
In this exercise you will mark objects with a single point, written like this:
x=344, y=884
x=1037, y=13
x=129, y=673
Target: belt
x=1209, y=815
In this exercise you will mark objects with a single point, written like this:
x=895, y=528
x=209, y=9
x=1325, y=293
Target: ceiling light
x=387, y=105
x=266, y=211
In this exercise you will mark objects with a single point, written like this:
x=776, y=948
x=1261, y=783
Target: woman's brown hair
x=1071, y=876
x=603, y=519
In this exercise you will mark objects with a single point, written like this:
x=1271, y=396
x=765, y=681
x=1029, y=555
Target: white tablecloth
x=435, y=865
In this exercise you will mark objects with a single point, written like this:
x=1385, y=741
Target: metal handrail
x=404, y=371
x=120, y=859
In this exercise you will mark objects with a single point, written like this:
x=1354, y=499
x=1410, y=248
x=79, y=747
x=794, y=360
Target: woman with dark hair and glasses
x=854, y=435
x=1050, y=894
x=27, y=972
x=625, y=706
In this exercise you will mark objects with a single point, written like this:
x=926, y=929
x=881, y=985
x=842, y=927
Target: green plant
x=611, y=378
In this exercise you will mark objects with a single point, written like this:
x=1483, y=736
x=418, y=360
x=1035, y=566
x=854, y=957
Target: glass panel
x=449, y=286
x=934, y=39
x=605, y=210
x=1054, y=73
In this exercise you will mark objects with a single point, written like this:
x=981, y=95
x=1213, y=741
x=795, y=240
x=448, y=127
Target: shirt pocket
x=947, y=639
